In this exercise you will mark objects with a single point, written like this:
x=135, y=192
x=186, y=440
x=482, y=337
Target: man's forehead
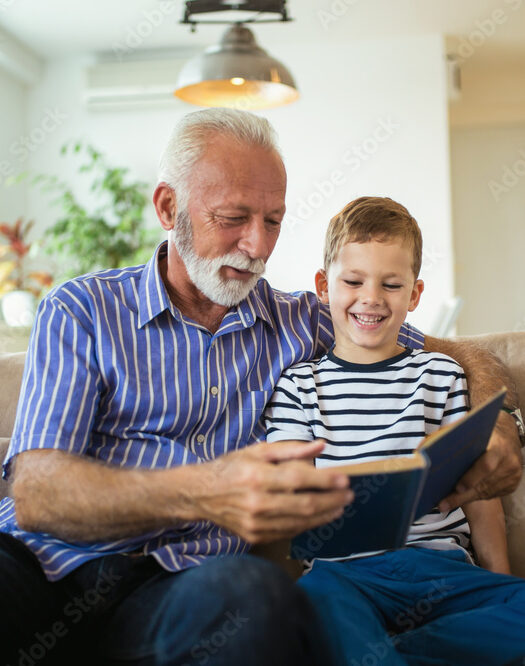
x=242, y=167
x=229, y=150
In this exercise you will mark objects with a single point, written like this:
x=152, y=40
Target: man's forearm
x=485, y=373
x=262, y=493
x=79, y=499
x=497, y=472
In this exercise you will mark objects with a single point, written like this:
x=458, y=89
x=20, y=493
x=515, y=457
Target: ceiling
x=60, y=28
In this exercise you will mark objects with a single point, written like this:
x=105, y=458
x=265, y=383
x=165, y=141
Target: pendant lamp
x=236, y=73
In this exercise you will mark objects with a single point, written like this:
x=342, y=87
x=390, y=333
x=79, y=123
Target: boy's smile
x=370, y=287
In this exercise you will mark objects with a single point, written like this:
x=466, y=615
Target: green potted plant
x=108, y=234
x=19, y=287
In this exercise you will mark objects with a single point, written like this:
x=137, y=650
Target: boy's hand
x=497, y=472
x=264, y=493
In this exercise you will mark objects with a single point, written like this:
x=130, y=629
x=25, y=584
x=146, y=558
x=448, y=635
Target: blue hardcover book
x=391, y=493
x=451, y=450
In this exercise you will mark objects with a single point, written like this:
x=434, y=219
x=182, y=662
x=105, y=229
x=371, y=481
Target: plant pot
x=19, y=308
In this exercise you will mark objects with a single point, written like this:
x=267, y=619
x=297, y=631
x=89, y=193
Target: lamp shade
x=237, y=73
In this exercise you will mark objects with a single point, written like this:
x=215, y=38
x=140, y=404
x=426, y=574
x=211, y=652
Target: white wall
x=372, y=120
x=13, y=108
x=488, y=177
x=336, y=132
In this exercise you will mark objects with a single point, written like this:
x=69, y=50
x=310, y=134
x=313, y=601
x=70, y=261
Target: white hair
x=190, y=137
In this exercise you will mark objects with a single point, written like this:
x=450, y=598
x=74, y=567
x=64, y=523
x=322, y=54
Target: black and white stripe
x=373, y=411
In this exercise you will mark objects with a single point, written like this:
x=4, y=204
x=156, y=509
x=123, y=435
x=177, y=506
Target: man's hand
x=497, y=472
x=268, y=492
x=263, y=493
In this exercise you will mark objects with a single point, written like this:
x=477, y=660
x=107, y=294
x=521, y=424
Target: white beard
x=205, y=273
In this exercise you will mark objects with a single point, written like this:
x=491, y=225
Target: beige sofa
x=509, y=347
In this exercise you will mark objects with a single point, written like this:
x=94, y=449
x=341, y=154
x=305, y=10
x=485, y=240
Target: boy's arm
x=485, y=517
x=487, y=531
x=498, y=470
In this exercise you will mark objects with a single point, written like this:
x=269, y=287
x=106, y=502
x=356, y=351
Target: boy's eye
x=353, y=283
x=392, y=286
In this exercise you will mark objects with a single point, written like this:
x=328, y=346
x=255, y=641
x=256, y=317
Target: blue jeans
x=418, y=606
x=119, y=610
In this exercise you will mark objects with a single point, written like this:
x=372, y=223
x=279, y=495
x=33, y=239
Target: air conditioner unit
x=131, y=84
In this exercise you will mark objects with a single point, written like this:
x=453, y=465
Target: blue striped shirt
x=116, y=372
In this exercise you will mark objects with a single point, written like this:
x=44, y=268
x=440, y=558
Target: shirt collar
x=254, y=306
x=154, y=299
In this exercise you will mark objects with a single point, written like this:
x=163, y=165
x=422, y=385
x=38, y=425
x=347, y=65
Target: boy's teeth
x=368, y=318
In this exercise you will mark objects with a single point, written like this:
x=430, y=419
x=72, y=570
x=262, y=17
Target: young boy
x=368, y=398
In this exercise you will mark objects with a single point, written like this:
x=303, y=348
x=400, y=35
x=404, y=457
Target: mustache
x=242, y=263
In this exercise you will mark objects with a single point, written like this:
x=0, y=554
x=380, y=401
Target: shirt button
x=200, y=439
x=214, y=390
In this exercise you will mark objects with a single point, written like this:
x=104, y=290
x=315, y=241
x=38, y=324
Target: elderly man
x=133, y=482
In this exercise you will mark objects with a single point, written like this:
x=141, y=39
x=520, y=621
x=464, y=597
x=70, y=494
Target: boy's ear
x=417, y=290
x=321, y=285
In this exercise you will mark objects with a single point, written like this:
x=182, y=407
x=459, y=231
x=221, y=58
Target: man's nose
x=254, y=239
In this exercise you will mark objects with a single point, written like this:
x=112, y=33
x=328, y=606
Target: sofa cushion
x=4, y=443
x=12, y=368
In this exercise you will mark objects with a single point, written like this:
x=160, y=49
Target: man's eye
x=274, y=223
x=241, y=218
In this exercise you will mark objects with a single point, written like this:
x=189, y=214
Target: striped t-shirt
x=372, y=411
x=117, y=373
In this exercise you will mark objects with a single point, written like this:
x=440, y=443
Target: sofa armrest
x=11, y=370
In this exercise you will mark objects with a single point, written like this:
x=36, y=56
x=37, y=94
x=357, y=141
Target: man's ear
x=321, y=285
x=417, y=290
x=165, y=205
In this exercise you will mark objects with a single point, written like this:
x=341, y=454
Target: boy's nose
x=371, y=296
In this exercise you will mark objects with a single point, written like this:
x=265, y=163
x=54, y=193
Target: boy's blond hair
x=373, y=218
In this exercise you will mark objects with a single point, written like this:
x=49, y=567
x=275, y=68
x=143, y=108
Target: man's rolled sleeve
x=61, y=382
